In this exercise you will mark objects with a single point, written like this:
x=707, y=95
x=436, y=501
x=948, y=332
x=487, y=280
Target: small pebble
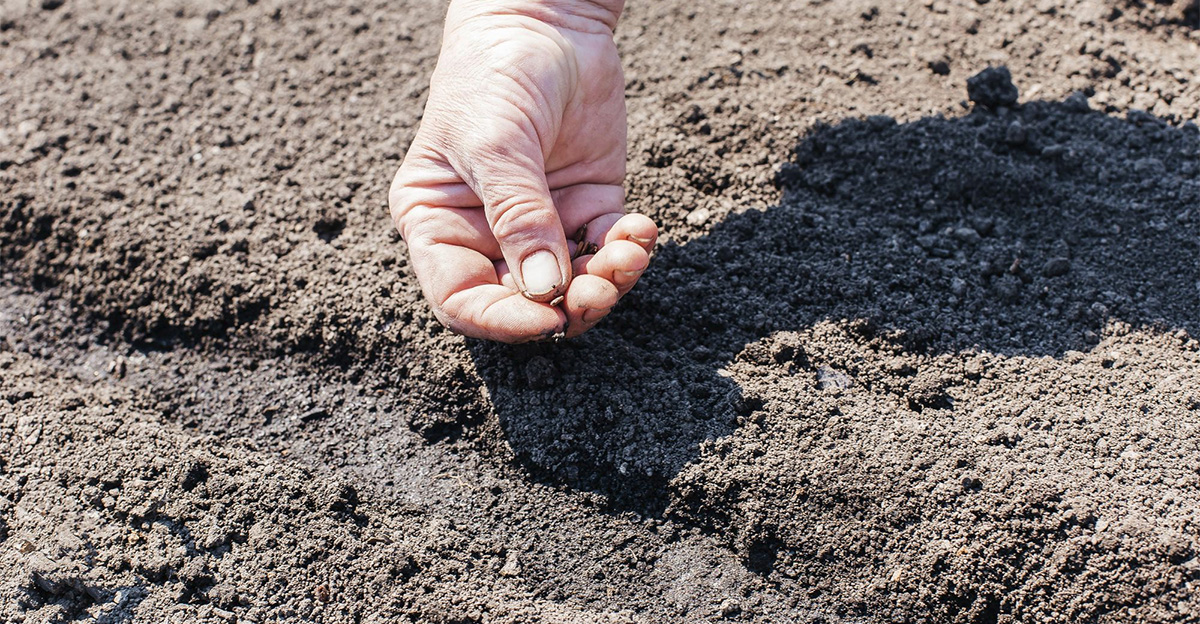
x=983, y=225
x=512, y=566
x=540, y=372
x=315, y=414
x=829, y=378
x=1054, y=151
x=1077, y=103
x=698, y=217
x=1016, y=134
x=1056, y=267
x=992, y=88
x=966, y=235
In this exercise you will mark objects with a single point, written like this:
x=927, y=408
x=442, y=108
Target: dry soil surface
x=903, y=356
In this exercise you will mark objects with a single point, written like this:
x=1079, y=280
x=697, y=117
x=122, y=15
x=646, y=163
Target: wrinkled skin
x=522, y=147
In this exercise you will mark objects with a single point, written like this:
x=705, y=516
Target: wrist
x=580, y=15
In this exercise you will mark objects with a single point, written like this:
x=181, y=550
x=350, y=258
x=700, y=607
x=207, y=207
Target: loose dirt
x=901, y=357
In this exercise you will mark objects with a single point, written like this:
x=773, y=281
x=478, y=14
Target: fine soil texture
x=919, y=344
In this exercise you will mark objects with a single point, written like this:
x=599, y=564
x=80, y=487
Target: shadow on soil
x=1015, y=232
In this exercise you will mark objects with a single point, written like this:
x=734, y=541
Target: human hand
x=510, y=197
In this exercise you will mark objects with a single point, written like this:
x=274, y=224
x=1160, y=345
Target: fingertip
x=625, y=280
x=589, y=299
x=628, y=256
x=495, y=312
x=622, y=262
x=635, y=228
x=527, y=321
x=591, y=292
x=544, y=275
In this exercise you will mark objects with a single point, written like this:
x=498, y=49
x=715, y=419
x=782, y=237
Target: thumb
x=523, y=218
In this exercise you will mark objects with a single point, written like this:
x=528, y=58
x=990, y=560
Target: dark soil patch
x=1020, y=232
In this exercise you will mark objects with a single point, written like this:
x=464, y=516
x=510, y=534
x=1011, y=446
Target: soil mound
x=932, y=388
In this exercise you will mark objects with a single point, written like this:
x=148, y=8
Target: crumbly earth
x=901, y=357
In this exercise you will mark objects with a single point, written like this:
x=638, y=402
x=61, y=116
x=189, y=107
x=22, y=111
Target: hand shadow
x=1015, y=232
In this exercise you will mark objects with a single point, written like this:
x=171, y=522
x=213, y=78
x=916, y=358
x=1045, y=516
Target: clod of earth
x=992, y=88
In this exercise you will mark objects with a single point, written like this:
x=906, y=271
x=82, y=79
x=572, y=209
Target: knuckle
x=516, y=216
x=510, y=54
x=416, y=222
x=400, y=200
x=511, y=139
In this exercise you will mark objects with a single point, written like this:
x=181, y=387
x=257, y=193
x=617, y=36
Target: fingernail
x=625, y=278
x=639, y=239
x=540, y=273
x=591, y=316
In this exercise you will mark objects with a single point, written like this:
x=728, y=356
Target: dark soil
x=903, y=357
